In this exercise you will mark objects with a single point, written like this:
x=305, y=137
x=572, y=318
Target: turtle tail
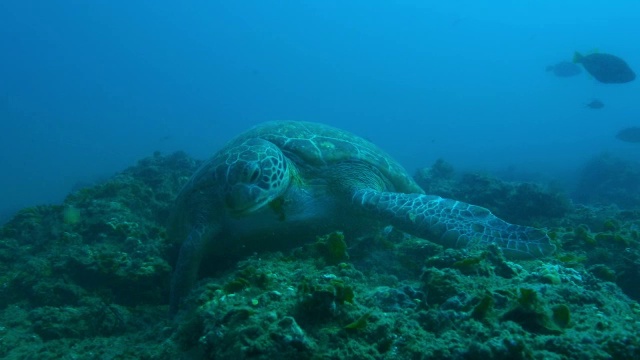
x=453, y=223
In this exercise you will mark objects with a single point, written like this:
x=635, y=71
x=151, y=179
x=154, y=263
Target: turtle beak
x=241, y=199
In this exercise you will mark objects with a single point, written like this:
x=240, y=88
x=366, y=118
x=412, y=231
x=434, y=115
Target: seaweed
x=236, y=285
x=532, y=316
x=485, y=305
x=332, y=247
x=561, y=315
x=360, y=323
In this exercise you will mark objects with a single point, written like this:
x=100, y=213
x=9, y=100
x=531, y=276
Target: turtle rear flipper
x=454, y=223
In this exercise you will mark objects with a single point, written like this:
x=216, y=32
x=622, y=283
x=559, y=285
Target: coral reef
x=89, y=278
x=517, y=202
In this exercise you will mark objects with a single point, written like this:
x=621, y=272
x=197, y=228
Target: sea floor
x=89, y=279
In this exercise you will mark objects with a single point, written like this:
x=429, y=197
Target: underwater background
x=90, y=87
x=107, y=108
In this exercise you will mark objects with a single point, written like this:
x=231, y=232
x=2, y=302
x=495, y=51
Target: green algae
x=236, y=285
x=469, y=264
x=571, y=259
x=610, y=225
x=561, y=315
x=344, y=293
x=333, y=248
x=603, y=272
x=483, y=308
x=582, y=233
x=532, y=315
x=360, y=323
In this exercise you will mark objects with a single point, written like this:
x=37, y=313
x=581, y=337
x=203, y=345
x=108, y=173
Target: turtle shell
x=319, y=146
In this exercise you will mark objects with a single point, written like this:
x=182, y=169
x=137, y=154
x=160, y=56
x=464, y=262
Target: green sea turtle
x=286, y=181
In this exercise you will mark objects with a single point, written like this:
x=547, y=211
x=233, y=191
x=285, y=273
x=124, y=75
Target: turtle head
x=255, y=173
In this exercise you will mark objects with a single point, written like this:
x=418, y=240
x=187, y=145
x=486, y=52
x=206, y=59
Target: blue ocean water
x=88, y=88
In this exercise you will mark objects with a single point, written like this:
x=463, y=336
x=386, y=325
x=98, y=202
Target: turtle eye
x=255, y=174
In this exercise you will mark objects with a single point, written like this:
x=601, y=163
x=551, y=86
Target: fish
x=564, y=69
x=630, y=134
x=595, y=104
x=605, y=68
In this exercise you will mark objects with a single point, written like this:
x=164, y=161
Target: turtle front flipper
x=453, y=223
x=186, y=270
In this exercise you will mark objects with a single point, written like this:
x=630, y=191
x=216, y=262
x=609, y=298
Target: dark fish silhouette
x=595, y=104
x=606, y=68
x=564, y=69
x=630, y=134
